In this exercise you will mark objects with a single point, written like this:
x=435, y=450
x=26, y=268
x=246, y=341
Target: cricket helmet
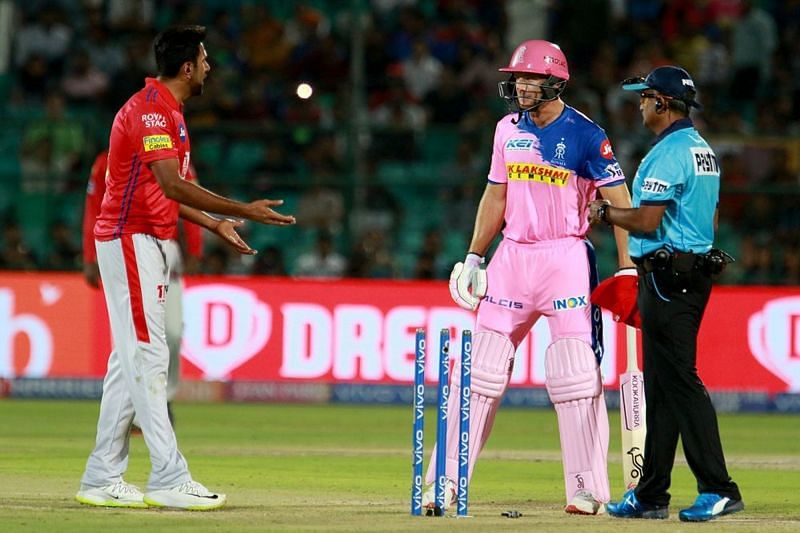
x=535, y=57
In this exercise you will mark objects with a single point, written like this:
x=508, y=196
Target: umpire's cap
x=673, y=82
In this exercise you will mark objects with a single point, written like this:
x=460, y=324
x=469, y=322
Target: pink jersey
x=552, y=174
x=148, y=128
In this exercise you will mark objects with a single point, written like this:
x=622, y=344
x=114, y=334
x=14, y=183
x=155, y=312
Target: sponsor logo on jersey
x=502, y=302
x=573, y=302
x=152, y=120
x=157, y=142
x=537, y=172
x=705, y=162
x=516, y=145
x=613, y=170
x=182, y=133
x=185, y=165
x=653, y=185
x=605, y=150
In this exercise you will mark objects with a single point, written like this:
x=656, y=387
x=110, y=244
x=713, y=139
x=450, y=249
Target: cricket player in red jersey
x=191, y=243
x=146, y=192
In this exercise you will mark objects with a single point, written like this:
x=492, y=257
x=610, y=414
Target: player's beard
x=197, y=88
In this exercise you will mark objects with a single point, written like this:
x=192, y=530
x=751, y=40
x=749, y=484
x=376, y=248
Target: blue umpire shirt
x=681, y=171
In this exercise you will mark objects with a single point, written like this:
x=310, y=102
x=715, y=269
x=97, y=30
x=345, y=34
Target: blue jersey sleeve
x=601, y=165
x=662, y=176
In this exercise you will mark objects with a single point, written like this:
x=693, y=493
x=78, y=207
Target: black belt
x=681, y=263
x=663, y=259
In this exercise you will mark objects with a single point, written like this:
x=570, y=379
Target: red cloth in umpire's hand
x=618, y=295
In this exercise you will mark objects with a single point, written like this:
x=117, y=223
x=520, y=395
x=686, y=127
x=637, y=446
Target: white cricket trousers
x=174, y=312
x=135, y=278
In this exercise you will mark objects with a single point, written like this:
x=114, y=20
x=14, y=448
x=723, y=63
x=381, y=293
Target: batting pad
x=575, y=388
x=492, y=362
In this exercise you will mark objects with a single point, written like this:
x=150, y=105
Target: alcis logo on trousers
x=503, y=302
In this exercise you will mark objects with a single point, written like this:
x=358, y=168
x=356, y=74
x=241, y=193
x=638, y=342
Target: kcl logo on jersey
x=573, y=302
x=517, y=145
x=151, y=120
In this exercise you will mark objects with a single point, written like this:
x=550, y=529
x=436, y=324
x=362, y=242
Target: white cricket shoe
x=584, y=503
x=119, y=494
x=191, y=496
x=429, y=498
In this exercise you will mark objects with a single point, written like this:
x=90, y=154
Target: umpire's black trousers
x=678, y=404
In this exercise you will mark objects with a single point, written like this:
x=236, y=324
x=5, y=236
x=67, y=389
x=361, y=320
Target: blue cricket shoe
x=630, y=507
x=708, y=506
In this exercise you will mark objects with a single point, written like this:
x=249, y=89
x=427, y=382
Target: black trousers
x=677, y=401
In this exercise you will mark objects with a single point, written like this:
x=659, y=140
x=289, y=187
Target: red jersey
x=96, y=189
x=149, y=127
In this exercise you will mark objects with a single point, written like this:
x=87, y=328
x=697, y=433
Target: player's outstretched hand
x=261, y=211
x=226, y=229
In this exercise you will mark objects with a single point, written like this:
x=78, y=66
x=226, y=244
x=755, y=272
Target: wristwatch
x=602, y=213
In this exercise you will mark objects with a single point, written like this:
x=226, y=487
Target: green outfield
x=347, y=468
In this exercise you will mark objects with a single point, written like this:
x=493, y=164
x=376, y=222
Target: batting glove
x=468, y=282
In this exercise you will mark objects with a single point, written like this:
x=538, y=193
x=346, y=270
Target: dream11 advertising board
x=360, y=332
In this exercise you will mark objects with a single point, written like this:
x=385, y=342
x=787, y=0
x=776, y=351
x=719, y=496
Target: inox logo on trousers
x=570, y=303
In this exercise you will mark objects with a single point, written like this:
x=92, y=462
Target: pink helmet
x=539, y=57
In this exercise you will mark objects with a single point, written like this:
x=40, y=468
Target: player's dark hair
x=175, y=46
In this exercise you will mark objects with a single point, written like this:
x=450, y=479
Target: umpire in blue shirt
x=671, y=225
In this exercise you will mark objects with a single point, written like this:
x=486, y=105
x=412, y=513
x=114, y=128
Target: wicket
x=443, y=391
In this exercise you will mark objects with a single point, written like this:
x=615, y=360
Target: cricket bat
x=632, y=409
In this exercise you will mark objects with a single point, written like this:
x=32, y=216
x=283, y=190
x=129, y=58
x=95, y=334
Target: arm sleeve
x=192, y=233
x=497, y=170
x=94, y=198
x=662, y=177
x=601, y=165
x=153, y=133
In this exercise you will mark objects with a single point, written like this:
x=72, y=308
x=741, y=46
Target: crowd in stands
x=384, y=166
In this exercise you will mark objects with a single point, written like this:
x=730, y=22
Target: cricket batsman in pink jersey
x=548, y=162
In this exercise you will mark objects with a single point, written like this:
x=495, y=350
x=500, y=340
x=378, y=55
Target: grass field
x=347, y=468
